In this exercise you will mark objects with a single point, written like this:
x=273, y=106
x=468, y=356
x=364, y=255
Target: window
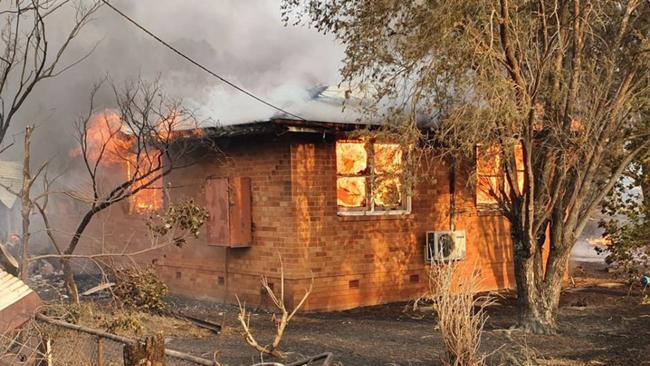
x=151, y=197
x=370, y=178
x=490, y=177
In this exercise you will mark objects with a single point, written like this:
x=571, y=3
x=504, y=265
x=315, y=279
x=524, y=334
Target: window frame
x=157, y=187
x=370, y=208
x=499, y=175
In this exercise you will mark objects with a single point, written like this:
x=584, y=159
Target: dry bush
x=281, y=320
x=23, y=345
x=137, y=288
x=461, y=314
x=126, y=321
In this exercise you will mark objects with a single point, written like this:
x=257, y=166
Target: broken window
x=369, y=177
x=142, y=170
x=490, y=177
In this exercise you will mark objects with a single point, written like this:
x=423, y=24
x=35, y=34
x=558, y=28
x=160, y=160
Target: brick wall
x=365, y=260
x=354, y=261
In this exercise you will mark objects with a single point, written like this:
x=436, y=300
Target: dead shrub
x=68, y=312
x=281, y=320
x=141, y=289
x=461, y=314
x=126, y=321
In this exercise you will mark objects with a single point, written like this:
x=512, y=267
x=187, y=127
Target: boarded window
x=369, y=176
x=149, y=198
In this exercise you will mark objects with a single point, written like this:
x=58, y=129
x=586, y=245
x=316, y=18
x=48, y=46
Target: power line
x=181, y=54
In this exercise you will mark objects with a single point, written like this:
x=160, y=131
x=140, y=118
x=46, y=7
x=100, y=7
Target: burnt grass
x=599, y=324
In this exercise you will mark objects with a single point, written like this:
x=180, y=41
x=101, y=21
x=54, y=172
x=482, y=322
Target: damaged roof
x=280, y=126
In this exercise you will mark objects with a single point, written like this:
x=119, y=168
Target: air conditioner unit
x=445, y=246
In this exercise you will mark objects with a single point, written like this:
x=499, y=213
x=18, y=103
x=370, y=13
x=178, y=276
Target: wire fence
x=51, y=342
x=48, y=342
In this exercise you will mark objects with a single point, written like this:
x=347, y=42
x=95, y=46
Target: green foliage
x=568, y=81
x=627, y=231
x=179, y=219
x=140, y=289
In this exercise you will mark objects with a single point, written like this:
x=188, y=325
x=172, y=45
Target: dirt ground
x=599, y=325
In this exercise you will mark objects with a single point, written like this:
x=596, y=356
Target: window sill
x=378, y=215
x=488, y=211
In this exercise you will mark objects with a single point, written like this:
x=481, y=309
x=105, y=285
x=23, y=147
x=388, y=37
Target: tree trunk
x=539, y=287
x=68, y=275
x=70, y=284
x=150, y=353
x=26, y=202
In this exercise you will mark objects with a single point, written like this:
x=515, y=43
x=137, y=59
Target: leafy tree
x=626, y=224
x=566, y=80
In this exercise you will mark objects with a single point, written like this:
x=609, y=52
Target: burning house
x=335, y=208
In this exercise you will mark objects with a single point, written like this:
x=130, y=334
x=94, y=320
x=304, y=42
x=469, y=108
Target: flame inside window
x=387, y=191
x=387, y=187
x=149, y=198
x=351, y=158
x=388, y=158
x=351, y=165
x=367, y=181
x=351, y=191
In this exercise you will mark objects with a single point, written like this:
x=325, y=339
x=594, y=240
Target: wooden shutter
x=229, y=203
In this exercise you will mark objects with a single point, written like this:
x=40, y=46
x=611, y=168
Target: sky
x=244, y=41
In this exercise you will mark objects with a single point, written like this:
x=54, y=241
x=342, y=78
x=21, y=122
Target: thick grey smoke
x=244, y=41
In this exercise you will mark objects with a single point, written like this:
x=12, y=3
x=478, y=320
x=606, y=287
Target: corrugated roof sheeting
x=17, y=302
x=12, y=289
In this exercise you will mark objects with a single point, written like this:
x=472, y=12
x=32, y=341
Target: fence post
x=151, y=352
x=100, y=351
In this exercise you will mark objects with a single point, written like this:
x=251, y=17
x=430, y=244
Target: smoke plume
x=244, y=41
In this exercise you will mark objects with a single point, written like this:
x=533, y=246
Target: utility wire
x=195, y=63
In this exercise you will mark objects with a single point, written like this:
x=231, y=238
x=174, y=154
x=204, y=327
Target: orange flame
x=177, y=125
x=353, y=182
x=104, y=139
x=150, y=197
